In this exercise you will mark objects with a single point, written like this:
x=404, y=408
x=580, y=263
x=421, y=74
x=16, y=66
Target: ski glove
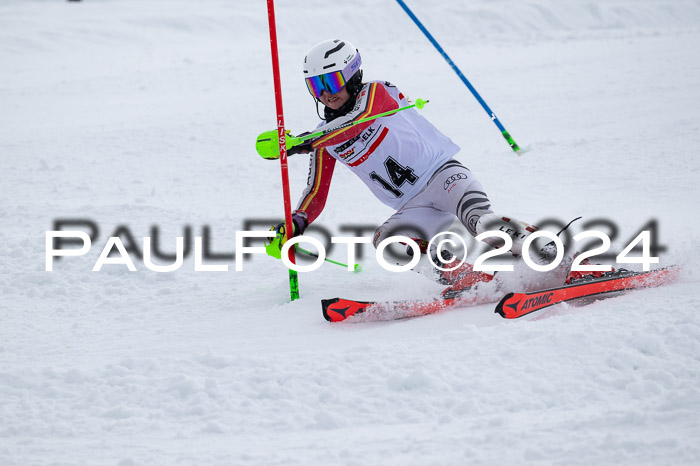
x=274, y=245
x=303, y=148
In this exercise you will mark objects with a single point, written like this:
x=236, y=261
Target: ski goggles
x=330, y=82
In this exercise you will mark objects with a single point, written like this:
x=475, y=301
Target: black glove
x=303, y=148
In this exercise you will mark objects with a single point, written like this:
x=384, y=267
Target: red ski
x=514, y=305
x=339, y=309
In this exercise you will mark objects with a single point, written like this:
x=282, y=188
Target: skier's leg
x=432, y=211
x=453, y=188
x=421, y=224
x=452, y=191
x=418, y=222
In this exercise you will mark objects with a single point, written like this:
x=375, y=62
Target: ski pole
x=266, y=144
x=493, y=116
x=274, y=249
x=356, y=268
x=420, y=103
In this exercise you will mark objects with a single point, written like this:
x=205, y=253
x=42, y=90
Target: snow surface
x=143, y=112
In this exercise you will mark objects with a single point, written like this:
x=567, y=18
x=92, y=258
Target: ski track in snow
x=133, y=113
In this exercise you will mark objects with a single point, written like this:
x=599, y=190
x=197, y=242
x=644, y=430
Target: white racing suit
x=405, y=161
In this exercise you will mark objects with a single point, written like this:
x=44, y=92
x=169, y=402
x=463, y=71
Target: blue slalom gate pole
x=493, y=116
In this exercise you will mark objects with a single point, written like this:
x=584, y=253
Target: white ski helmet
x=331, y=65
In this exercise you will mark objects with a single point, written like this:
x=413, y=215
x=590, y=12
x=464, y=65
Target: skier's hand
x=274, y=245
x=303, y=148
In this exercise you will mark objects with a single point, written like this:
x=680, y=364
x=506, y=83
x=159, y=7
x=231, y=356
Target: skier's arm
x=373, y=99
x=312, y=201
x=317, y=184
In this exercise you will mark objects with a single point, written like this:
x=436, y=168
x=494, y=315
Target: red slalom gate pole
x=293, y=278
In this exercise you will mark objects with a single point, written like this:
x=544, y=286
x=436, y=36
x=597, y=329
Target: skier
x=405, y=161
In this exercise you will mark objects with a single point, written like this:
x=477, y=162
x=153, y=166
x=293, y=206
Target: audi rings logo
x=453, y=178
